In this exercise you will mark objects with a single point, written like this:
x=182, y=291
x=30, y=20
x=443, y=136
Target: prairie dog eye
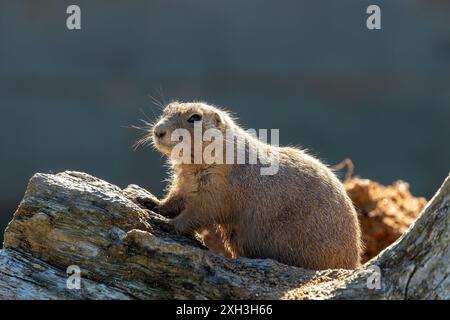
x=195, y=117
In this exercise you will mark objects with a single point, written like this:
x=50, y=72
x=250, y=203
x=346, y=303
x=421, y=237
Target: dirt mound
x=385, y=212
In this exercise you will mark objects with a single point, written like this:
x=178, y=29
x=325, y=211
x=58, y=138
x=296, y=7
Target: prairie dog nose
x=159, y=131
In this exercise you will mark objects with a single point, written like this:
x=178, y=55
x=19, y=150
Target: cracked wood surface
x=125, y=252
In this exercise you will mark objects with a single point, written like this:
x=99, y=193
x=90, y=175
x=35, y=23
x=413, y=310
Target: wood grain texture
x=125, y=252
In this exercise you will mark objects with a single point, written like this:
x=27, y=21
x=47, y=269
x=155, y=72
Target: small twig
x=345, y=163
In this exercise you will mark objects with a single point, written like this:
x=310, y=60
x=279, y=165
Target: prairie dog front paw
x=181, y=225
x=149, y=203
x=141, y=197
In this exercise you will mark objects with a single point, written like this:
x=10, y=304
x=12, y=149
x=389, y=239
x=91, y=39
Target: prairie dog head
x=186, y=116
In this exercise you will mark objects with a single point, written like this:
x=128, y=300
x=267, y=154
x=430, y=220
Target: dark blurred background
x=310, y=68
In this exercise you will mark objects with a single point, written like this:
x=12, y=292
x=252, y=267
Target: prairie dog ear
x=218, y=117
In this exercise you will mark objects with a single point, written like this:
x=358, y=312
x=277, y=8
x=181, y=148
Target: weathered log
x=126, y=252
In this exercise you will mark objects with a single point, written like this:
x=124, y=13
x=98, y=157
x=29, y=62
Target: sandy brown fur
x=300, y=216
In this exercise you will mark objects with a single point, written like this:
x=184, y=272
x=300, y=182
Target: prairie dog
x=300, y=216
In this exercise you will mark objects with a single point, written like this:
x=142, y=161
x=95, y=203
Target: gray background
x=309, y=68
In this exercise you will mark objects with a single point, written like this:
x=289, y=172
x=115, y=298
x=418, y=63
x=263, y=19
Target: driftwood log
x=125, y=252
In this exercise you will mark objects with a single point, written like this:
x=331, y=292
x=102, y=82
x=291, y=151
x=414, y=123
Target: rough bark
x=125, y=252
